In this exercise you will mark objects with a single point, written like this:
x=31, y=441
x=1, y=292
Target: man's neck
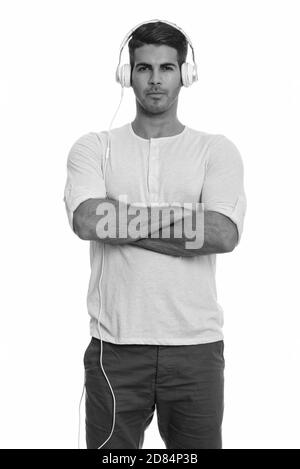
x=156, y=128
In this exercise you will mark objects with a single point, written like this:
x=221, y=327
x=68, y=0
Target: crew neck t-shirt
x=148, y=297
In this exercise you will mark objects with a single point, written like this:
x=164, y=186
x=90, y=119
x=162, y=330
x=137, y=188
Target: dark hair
x=159, y=33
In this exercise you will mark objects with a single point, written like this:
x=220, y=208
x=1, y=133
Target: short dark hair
x=159, y=33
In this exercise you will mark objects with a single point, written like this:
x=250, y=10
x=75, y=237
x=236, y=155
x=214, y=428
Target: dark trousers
x=184, y=383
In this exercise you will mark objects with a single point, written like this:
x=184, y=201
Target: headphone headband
x=127, y=37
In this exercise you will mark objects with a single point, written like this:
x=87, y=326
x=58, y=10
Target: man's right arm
x=93, y=215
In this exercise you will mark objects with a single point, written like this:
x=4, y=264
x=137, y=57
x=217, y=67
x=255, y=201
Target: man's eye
x=165, y=67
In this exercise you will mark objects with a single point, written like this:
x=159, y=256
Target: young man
x=161, y=324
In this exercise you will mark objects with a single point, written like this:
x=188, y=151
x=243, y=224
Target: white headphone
x=188, y=71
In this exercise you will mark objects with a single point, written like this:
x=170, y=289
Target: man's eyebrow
x=149, y=65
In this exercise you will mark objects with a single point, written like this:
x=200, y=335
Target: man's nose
x=155, y=76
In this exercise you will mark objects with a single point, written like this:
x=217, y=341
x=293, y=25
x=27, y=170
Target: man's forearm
x=220, y=236
x=125, y=223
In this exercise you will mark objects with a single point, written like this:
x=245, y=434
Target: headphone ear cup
x=118, y=74
x=127, y=75
x=123, y=74
x=187, y=74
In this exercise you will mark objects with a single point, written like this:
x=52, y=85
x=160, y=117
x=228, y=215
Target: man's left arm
x=220, y=236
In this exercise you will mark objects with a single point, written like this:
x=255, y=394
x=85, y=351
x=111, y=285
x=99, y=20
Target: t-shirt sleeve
x=223, y=188
x=84, y=173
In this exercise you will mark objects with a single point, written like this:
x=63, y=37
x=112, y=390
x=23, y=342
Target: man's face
x=156, y=70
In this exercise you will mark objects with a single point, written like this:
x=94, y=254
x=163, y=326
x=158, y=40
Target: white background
x=58, y=61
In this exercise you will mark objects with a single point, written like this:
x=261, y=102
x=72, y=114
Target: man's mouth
x=155, y=94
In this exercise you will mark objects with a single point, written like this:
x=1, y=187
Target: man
x=161, y=324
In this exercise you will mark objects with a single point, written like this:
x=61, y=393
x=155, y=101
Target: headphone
x=188, y=71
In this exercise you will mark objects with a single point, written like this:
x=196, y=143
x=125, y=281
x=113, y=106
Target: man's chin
x=154, y=106
x=155, y=109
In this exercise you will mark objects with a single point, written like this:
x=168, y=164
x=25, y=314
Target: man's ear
x=181, y=83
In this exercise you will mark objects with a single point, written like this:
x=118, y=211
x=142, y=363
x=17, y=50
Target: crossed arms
x=220, y=233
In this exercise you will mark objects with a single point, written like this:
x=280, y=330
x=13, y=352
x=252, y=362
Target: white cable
x=100, y=295
x=79, y=415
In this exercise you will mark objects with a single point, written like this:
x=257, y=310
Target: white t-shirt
x=149, y=297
